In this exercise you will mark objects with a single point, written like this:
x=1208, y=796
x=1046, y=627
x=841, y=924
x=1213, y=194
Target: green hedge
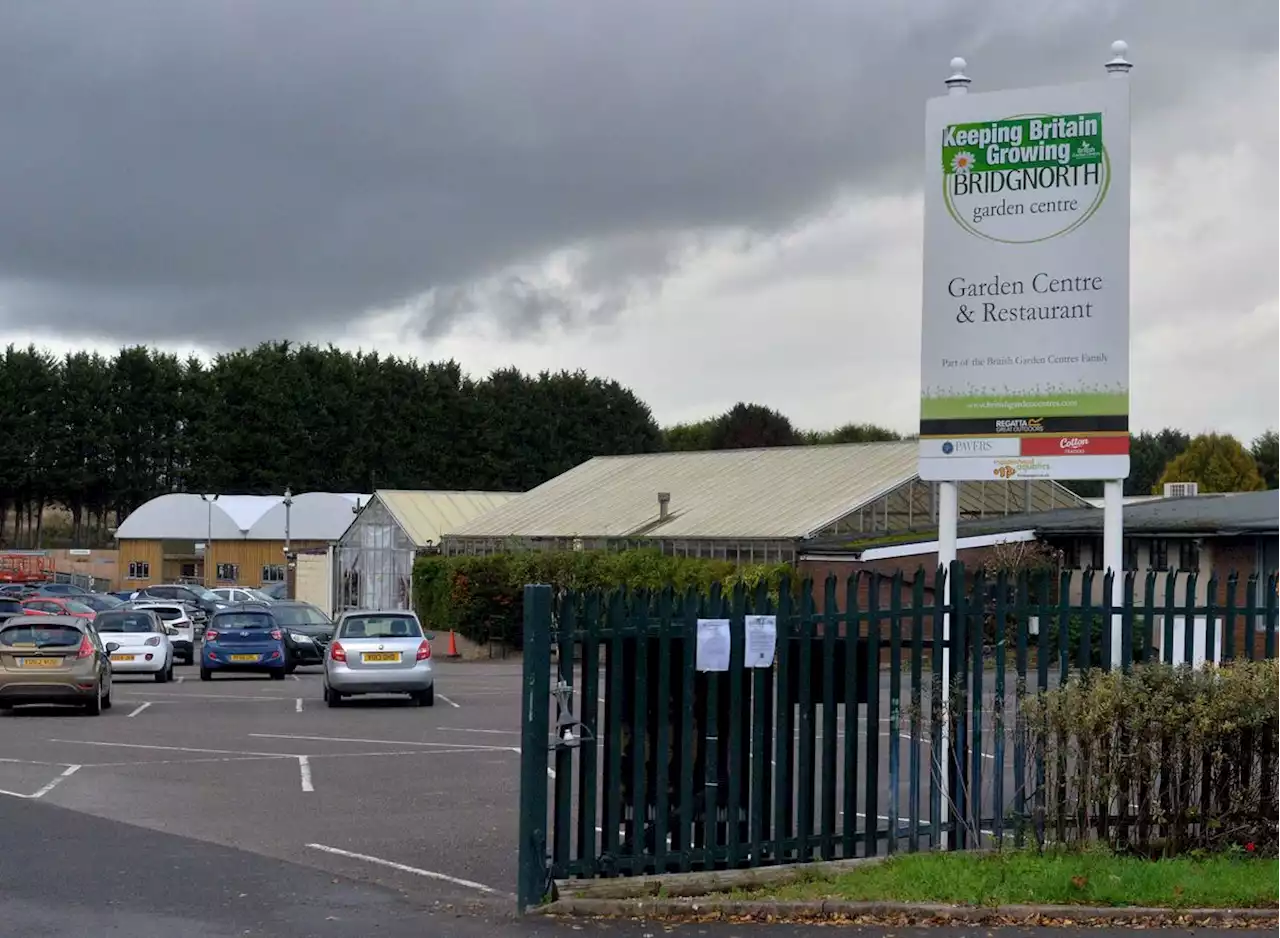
x=482, y=598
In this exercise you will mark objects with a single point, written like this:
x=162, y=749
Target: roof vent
x=1181, y=489
x=664, y=506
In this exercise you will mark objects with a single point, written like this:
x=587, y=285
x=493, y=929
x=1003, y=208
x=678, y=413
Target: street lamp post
x=288, y=505
x=208, y=541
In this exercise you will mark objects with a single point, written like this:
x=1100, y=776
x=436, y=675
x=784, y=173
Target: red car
x=56, y=606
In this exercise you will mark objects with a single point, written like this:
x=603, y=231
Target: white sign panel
x=1025, y=341
x=714, y=645
x=762, y=641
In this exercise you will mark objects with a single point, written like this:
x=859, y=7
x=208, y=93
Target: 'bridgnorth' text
x=1024, y=178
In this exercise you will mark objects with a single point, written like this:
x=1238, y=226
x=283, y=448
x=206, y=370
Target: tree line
x=100, y=435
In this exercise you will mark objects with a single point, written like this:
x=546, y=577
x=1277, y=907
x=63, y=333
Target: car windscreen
x=77, y=607
x=299, y=615
x=41, y=636
x=169, y=613
x=380, y=626
x=202, y=593
x=11, y=605
x=242, y=620
x=124, y=622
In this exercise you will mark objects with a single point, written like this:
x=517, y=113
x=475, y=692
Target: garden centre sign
x=1025, y=341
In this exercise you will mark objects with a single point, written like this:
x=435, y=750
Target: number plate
x=122, y=657
x=244, y=657
x=382, y=656
x=39, y=662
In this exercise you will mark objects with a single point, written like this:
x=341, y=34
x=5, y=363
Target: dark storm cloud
x=219, y=172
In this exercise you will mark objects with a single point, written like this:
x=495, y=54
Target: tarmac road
x=64, y=874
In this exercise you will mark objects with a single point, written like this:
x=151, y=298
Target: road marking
x=295, y=677
x=221, y=752
x=182, y=678
x=463, y=729
x=357, y=739
x=298, y=706
x=449, y=702
x=138, y=709
x=429, y=874
x=304, y=770
x=40, y=793
x=216, y=696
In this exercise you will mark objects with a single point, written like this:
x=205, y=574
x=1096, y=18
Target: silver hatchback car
x=379, y=652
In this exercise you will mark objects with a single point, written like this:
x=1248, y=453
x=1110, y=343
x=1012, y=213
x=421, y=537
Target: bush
x=482, y=598
x=1099, y=639
x=1162, y=760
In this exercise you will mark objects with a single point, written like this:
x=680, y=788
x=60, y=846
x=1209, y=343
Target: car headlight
x=299, y=637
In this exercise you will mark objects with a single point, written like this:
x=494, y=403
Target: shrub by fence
x=482, y=597
x=1160, y=760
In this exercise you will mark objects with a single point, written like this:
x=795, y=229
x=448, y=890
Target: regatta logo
x=1020, y=425
x=1024, y=179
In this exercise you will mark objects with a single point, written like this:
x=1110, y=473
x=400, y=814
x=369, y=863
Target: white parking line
x=40, y=793
x=429, y=874
x=182, y=678
x=138, y=709
x=214, y=696
x=304, y=770
x=463, y=729
x=357, y=739
x=298, y=706
x=449, y=702
x=295, y=677
x=220, y=752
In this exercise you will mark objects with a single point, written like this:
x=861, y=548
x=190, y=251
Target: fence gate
x=633, y=762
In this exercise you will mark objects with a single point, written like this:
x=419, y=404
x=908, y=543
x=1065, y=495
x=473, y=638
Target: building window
x=1159, y=554
x=273, y=573
x=188, y=571
x=1130, y=554
x=1071, y=554
x=229, y=572
x=139, y=570
x=1189, y=556
x=1095, y=554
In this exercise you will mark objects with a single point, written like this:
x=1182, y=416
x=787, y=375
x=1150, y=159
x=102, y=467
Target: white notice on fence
x=713, y=645
x=762, y=640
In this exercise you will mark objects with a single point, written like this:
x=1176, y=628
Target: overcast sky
x=709, y=200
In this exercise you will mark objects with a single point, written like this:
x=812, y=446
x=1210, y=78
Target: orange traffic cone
x=453, y=646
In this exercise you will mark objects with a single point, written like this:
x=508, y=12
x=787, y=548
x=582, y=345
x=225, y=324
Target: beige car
x=54, y=660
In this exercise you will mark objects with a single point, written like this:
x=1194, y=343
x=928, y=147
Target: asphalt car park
x=421, y=799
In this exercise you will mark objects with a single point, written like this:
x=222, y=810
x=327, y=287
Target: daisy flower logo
x=962, y=162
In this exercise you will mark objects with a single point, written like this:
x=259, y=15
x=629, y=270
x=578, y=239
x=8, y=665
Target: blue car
x=245, y=639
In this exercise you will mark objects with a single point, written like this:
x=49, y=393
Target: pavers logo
x=966, y=447
x=1025, y=178
x=1020, y=425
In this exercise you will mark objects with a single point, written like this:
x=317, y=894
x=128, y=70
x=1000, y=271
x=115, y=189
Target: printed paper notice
x=713, y=645
x=762, y=640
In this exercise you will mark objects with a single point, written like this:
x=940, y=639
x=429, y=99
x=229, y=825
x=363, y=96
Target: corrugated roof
x=781, y=492
x=426, y=516
x=318, y=516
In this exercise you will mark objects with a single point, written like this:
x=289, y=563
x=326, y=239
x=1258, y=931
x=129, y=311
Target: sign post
x=1025, y=336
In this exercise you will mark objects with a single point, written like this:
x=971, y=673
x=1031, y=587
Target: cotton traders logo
x=1026, y=178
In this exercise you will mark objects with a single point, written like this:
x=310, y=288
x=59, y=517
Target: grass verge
x=1093, y=878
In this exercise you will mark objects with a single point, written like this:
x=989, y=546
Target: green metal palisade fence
x=635, y=763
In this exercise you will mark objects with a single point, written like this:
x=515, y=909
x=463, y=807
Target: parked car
x=15, y=589
x=144, y=644
x=275, y=590
x=379, y=653
x=231, y=595
x=9, y=608
x=123, y=595
x=60, y=589
x=100, y=602
x=307, y=630
x=177, y=617
x=58, y=606
x=54, y=660
x=244, y=638
x=203, y=602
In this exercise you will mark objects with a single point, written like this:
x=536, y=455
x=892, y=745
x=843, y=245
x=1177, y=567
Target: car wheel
x=95, y=707
x=162, y=675
x=206, y=674
x=278, y=675
x=426, y=698
x=332, y=698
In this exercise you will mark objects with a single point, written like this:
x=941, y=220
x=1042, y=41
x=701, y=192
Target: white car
x=174, y=615
x=240, y=594
x=140, y=642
